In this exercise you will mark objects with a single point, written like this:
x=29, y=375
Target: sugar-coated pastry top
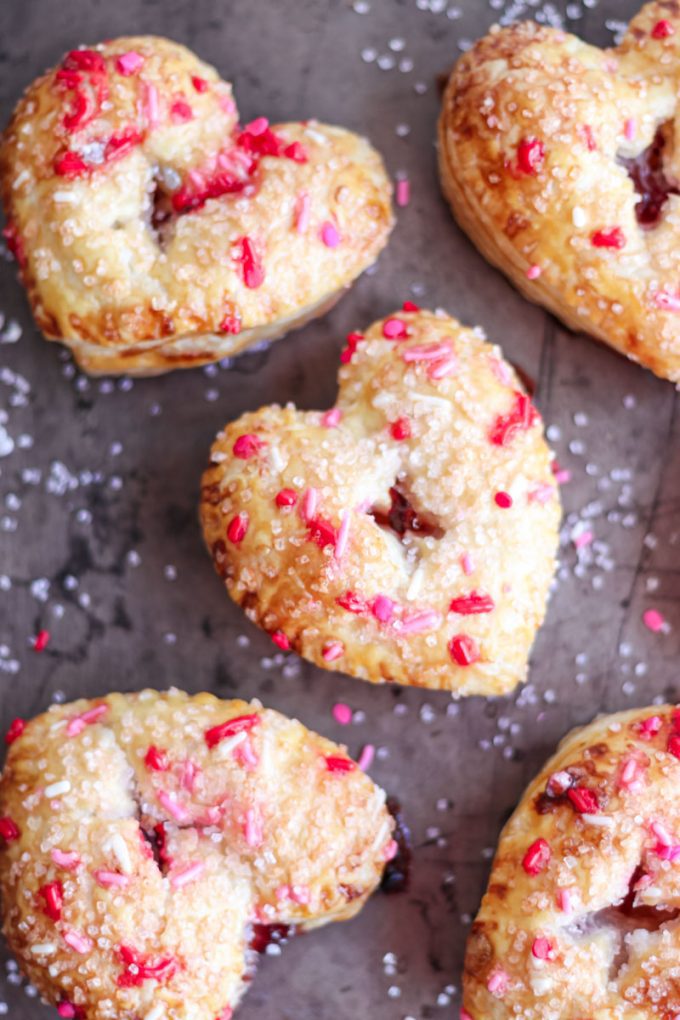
x=144, y=835
x=559, y=160
x=153, y=232
x=580, y=919
x=409, y=533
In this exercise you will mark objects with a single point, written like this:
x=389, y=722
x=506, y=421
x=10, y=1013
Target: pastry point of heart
x=559, y=161
x=407, y=534
x=154, y=232
x=580, y=917
x=148, y=843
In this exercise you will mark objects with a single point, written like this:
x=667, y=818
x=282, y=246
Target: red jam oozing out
x=401, y=516
x=647, y=174
x=267, y=934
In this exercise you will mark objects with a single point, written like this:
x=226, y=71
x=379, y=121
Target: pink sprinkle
x=444, y=367
x=151, y=106
x=366, y=757
x=81, y=943
x=331, y=419
x=629, y=129
x=254, y=828
x=189, y=873
x=650, y=726
x=174, y=809
x=533, y=272
x=343, y=535
x=78, y=723
x=662, y=834
x=330, y=235
x=68, y=859
x=296, y=893
x=66, y=1010
x=501, y=370
x=464, y=1015
x=416, y=623
x=542, y=494
x=668, y=302
x=395, y=329
x=302, y=212
x=498, y=983
x=308, y=507
x=332, y=651
x=246, y=755
x=383, y=608
x=257, y=126
x=190, y=772
x=653, y=620
x=467, y=564
x=542, y=949
x=563, y=476
x=342, y=713
x=564, y=900
x=41, y=640
x=391, y=850
x=582, y=539
x=129, y=63
x=427, y=352
x=110, y=878
x=403, y=195
x=628, y=774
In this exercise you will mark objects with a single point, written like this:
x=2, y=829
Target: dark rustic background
x=98, y=489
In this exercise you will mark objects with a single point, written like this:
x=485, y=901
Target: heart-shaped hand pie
x=153, y=233
x=560, y=161
x=409, y=533
x=144, y=835
x=581, y=914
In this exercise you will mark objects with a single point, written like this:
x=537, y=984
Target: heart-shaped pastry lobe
x=559, y=160
x=580, y=918
x=143, y=836
x=154, y=233
x=409, y=533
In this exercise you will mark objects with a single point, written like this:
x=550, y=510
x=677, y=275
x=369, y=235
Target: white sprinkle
x=156, y=1012
x=57, y=789
x=225, y=747
x=44, y=948
x=603, y=821
x=119, y=848
x=416, y=584
x=578, y=216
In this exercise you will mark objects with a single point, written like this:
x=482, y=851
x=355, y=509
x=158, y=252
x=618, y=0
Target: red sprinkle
x=286, y=497
x=530, y=155
x=503, y=500
x=253, y=270
x=16, y=728
x=352, y=340
x=181, y=112
x=663, y=29
x=9, y=830
x=333, y=650
x=281, y=640
x=247, y=446
x=121, y=144
x=472, y=604
x=230, y=728
x=537, y=857
x=334, y=763
x=157, y=759
x=589, y=137
x=138, y=969
x=464, y=650
x=401, y=429
x=70, y=165
x=410, y=306
x=521, y=417
x=237, y=528
x=352, y=603
x=673, y=746
x=200, y=84
x=584, y=800
x=41, y=640
x=297, y=152
x=231, y=323
x=542, y=949
x=53, y=895
x=611, y=237
x=322, y=532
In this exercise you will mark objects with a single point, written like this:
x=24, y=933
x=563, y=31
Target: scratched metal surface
x=98, y=487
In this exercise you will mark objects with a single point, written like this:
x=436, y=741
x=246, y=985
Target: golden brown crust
x=580, y=918
x=154, y=233
x=294, y=505
x=534, y=129
x=262, y=822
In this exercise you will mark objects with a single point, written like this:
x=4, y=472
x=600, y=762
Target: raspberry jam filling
x=401, y=517
x=646, y=171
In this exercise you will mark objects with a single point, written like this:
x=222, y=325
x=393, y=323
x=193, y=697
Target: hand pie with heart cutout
x=560, y=161
x=152, y=232
x=409, y=533
x=148, y=840
x=580, y=918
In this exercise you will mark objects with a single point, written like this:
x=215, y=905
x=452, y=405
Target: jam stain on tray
x=397, y=873
x=647, y=174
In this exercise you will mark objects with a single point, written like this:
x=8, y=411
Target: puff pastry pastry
x=154, y=233
x=560, y=160
x=580, y=918
x=143, y=836
x=409, y=533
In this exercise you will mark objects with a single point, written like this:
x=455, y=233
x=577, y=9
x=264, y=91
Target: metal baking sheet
x=99, y=483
